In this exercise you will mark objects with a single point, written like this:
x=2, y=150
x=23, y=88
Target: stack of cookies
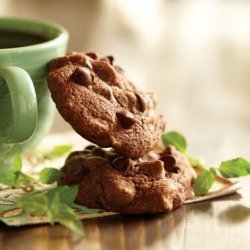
x=103, y=106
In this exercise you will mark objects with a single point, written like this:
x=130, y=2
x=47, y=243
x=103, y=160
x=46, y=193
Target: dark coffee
x=13, y=39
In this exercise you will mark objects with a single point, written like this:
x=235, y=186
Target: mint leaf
x=8, y=178
x=235, y=168
x=22, y=179
x=50, y=175
x=14, y=178
x=196, y=162
x=34, y=203
x=86, y=210
x=59, y=151
x=176, y=139
x=66, y=194
x=63, y=214
x=213, y=171
x=17, y=163
x=203, y=182
x=55, y=204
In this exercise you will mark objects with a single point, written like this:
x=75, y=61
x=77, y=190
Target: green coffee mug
x=26, y=108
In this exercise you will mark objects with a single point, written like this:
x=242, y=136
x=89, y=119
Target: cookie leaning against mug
x=102, y=105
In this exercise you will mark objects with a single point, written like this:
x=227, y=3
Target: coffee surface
x=13, y=39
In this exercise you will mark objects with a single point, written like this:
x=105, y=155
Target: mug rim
x=62, y=34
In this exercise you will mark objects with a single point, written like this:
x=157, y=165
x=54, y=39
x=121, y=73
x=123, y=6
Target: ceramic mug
x=26, y=108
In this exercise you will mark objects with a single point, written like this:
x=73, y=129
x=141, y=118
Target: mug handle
x=24, y=104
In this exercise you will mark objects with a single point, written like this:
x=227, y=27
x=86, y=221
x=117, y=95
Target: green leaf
x=50, y=175
x=17, y=163
x=66, y=194
x=213, y=171
x=14, y=178
x=50, y=203
x=235, y=168
x=34, y=203
x=86, y=210
x=22, y=179
x=176, y=139
x=64, y=215
x=203, y=182
x=8, y=178
x=196, y=162
x=59, y=151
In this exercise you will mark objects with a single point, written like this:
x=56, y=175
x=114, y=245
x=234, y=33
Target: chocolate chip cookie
x=158, y=182
x=102, y=105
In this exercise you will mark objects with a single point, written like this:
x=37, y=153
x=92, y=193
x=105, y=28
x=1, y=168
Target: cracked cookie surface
x=102, y=105
x=158, y=182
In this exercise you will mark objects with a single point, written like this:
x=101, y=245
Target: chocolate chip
x=141, y=101
x=169, y=150
x=92, y=55
x=169, y=162
x=109, y=94
x=88, y=64
x=175, y=170
x=109, y=59
x=77, y=175
x=98, y=151
x=122, y=163
x=111, y=156
x=90, y=147
x=105, y=71
x=82, y=76
x=125, y=118
x=73, y=155
x=95, y=161
x=75, y=170
x=119, y=69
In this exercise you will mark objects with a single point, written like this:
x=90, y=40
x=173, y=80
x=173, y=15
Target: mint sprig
x=66, y=194
x=58, y=151
x=233, y=168
x=203, y=182
x=65, y=215
x=17, y=163
x=176, y=139
x=50, y=175
x=55, y=204
x=14, y=177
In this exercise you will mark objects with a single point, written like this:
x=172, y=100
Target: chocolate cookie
x=102, y=105
x=158, y=182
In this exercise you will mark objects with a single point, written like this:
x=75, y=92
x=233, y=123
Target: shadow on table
x=235, y=214
x=231, y=213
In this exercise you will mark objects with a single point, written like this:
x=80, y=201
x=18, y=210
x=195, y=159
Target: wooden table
x=219, y=224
